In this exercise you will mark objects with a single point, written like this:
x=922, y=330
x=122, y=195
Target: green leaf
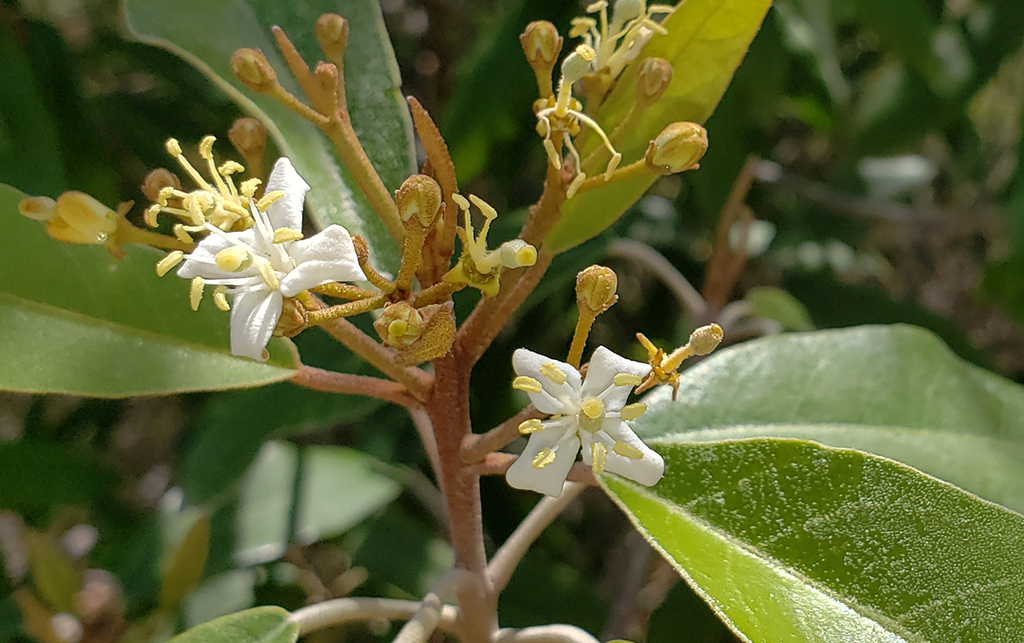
x=54, y=574
x=895, y=391
x=184, y=567
x=256, y=625
x=195, y=30
x=793, y=541
x=77, y=321
x=36, y=476
x=777, y=304
x=705, y=43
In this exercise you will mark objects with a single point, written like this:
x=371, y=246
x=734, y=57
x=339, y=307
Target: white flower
x=588, y=413
x=260, y=266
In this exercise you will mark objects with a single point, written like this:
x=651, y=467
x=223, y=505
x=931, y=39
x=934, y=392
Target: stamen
x=552, y=372
x=171, y=260
x=530, y=426
x=269, y=276
x=248, y=187
x=528, y=384
x=598, y=457
x=195, y=293
x=626, y=379
x=268, y=199
x=627, y=450
x=544, y=458
x=150, y=216
x=179, y=232
x=633, y=411
x=282, y=235
x=219, y=299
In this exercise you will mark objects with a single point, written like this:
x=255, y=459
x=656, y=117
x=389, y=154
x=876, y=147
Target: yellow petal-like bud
x=251, y=67
x=541, y=44
x=706, y=339
x=679, y=147
x=88, y=216
x=595, y=289
x=40, y=208
x=332, y=32
x=398, y=325
x=419, y=201
x=652, y=80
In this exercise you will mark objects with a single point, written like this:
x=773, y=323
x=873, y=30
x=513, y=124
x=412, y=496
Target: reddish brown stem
x=476, y=447
x=496, y=464
x=332, y=382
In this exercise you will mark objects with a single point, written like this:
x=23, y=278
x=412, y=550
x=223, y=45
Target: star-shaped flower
x=261, y=266
x=589, y=413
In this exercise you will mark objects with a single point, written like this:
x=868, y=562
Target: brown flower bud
x=332, y=32
x=253, y=69
x=652, y=80
x=679, y=147
x=249, y=137
x=399, y=325
x=595, y=289
x=437, y=331
x=705, y=339
x=541, y=44
x=293, y=318
x=157, y=180
x=419, y=201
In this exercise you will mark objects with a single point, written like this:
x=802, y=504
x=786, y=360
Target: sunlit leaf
x=256, y=625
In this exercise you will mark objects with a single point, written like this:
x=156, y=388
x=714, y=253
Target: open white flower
x=590, y=413
x=260, y=266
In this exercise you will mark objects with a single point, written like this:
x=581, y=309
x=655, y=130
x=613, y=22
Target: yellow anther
x=598, y=457
x=171, y=260
x=233, y=259
x=593, y=408
x=150, y=215
x=282, y=235
x=268, y=199
x=206, y=147
x=398, y=328
x=552, y=372
x=219, y=299
x=165, y=194
x=594, y=7
x=230, y=167
x=195, y=293
x=633, y=411
x=627, y=450
x=626, y=379
x=544, y=458
x=530, y=426
x=181, y=234
x=486, y=208
x=173, y=147
x=269, y=276
x=460, y=201
x=528, y=384
x=248, y=187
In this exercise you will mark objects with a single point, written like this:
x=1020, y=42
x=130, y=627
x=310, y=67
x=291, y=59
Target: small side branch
x=496, y=464
x=545, y=634
x=654, y=261
x=428, y=617
x=319, y=379
x=348, y=610
x=476, y=447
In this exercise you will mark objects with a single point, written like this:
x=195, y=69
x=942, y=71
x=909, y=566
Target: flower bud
x=399, y=325
x=332, y=32
x=419, y=201
x=679, y=147
x=437, y=332
x=517, y=254
x=595, y=289
x=251, y=67
x=157, y=181
x=705, y=339
x=578, y=64
x=91, y=219
x=40, y=208
x=652, y=80
x=541, y=44
x=249, y=137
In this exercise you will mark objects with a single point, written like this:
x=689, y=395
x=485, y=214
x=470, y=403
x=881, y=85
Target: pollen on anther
x=544, y=458
x=173, y=147
x=627, y=450
x=206, y=147
x=599, y=456
x=633, y=411
x=528, y=384
x=195, y=293
x=626, y=379
x=269, y=276
x=282, y=235
x=179, y=232
x=171, y=260
x=530, y=426
x=552, y=372
x=220, y=300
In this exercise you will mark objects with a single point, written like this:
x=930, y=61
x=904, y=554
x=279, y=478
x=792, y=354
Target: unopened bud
x=595, y=289
x=251, y=67
x=679, y=147
x=40, y=208
x=705, y=339
x=398, y=325
x=419, y=201
x=249, y=137
x=541, y=44
x=652, y=80
x=86, y=215
x=160, y=180
x=332, y=32
x=578, y=64
x=517, y=254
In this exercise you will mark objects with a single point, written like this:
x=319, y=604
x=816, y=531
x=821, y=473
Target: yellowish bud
x=398, y=325
x=249, y=137
x=517, y=254
x=89, y=217
x=541, y=44
x=251, y=67
x=158, y=183
x=595, y=289
x=40, y=208
x=679, y=147
x=332, y=32
x=419, y=201
x=652, y=80
x=578, y=64
x=706, y=339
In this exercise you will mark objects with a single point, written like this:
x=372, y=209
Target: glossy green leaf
x=793, y=541
x=77, y=321
x=256, y=625
x=895, y=391
x=195, y=31
x=774, y=303
x=705, y=43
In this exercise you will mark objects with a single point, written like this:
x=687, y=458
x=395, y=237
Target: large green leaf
x=77, y=321
x=793, y=541
x=705, y=43
x=895, y=391
x=195, y=30
x=256, y=625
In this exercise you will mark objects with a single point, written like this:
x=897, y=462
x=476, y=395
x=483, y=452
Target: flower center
x=591, y=415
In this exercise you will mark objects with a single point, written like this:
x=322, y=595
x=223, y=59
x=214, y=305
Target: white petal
x=253, y=318
x=566, y=396
x=549, y=480
x=604, y=366
x=286, y=212
x=326, y=256
x=647, y=470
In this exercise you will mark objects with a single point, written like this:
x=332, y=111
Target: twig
x=425, y=428
x=545, y=634
x=347, y=610
x=476, y=447
x=654, y=261
x=428, y=616
x=496, y=464
x=505, y=560
x=319, y=379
